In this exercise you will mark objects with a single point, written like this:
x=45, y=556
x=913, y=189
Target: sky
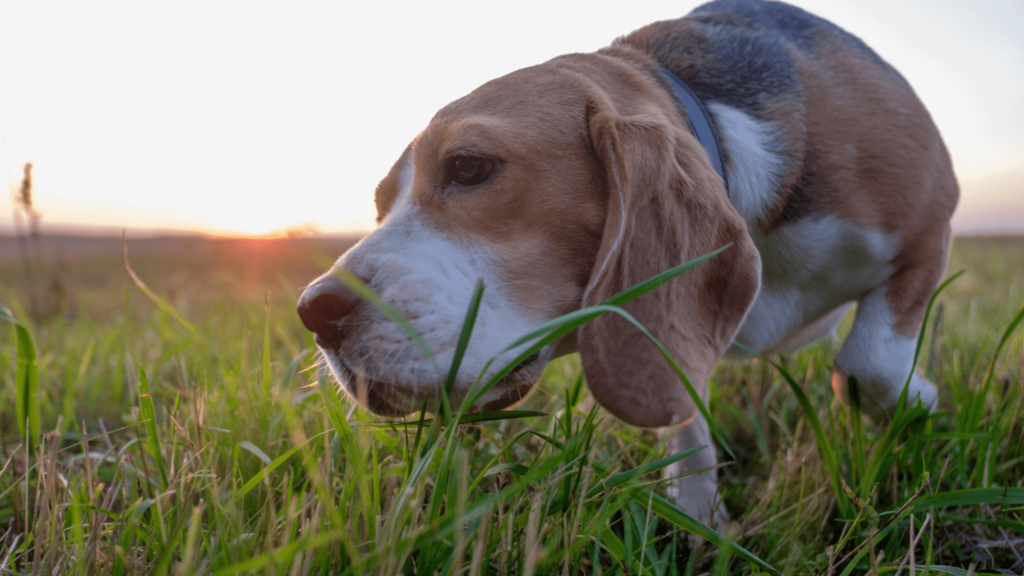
x=259, y=117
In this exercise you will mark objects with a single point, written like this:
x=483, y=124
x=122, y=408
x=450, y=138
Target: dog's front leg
x=879, y=350
x=694, y=479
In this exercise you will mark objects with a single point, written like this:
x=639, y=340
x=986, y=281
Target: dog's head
x=558, y=186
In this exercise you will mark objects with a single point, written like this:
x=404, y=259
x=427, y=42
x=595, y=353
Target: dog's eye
x=468, y=170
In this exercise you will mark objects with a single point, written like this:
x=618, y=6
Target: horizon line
x=7, y=229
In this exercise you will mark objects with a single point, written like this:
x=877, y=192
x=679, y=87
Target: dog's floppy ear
x=666, y=205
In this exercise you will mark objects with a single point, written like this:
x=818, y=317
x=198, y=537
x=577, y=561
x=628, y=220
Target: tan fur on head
x=665, y=206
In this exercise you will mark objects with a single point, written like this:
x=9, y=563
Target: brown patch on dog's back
x=874, y=156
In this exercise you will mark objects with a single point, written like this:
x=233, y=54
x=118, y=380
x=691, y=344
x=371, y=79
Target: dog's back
x=851, y=137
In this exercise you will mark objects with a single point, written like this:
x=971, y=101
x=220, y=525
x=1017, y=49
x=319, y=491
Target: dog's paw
x=921, y=389
x=879, y=400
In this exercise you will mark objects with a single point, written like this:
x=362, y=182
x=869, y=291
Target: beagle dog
x=562, y=184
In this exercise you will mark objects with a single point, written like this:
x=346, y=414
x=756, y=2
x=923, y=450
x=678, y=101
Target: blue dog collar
x=700, y=124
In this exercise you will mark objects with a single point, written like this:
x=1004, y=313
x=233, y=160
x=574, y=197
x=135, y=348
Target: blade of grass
x=366, y=293
x=460, y=347
x=653, y=282
x=406, y=492
x=555, y=329
x=671, y=513
x=825, y=448
x=593, y=312
x=448, y=523
x=668, y=511
x=624, y=477
x=253, y=449
x=163, y=564
x=452, y=447
x=901, y=403
x=258, y=477
x=970, y=497
x=490, y=463
x=979, y=400
x=148, y=412
x=472, y=418
x=563, y=325
x=517, y=469
x=292, y=368
x=26, y=380
x=884, y=447
x=623, y=297
x=1009, y=524
x=951, y=570
x=857, y=455
x=160, y=302
x=281, y=556
x=266, y=373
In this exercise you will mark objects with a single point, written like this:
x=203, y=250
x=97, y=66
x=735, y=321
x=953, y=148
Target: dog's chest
x=810, y=268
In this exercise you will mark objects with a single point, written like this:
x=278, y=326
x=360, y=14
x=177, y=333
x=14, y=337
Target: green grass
x=192, y=438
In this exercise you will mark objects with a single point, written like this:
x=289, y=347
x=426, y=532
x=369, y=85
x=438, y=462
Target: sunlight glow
x=252, y=118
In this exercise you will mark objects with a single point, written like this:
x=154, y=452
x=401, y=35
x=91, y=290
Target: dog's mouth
x=371, y=393
x=515, y=389
x=394, y=400
x=529, y=360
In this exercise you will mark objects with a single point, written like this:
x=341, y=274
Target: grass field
x=192, y=439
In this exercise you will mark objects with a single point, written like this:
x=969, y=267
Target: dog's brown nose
x=323, y=305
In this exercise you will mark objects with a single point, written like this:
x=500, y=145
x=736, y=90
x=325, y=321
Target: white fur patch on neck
x=753, y=168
